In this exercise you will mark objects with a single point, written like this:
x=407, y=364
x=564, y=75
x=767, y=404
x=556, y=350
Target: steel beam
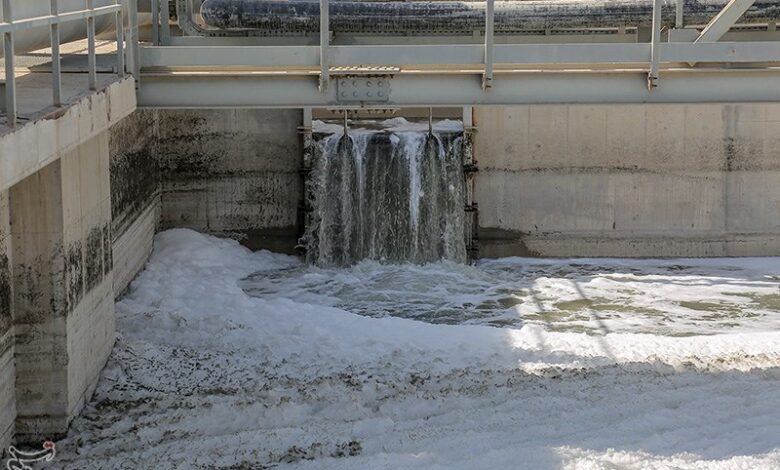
x=91, y=57
x=324, y=44
x=10, y=77
x=281, y=91
x=487, y=78
x=724, y=20
x=290, y=58
x=655, y=41
x=56, y=72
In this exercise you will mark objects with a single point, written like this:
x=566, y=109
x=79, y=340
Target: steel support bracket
x=363, y=89
x=653, y=77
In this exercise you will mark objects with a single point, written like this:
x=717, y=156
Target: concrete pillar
x=62, y=286
x=7, y=372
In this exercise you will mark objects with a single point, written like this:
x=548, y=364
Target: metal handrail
x=9, y=26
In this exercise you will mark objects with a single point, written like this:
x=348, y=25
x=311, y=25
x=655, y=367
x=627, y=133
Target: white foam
x=204, y=374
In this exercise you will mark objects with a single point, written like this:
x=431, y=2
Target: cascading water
x=392, y=195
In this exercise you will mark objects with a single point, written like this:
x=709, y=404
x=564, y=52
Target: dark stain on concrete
x=94, y=258
x=108, y=250
x=133, y=169
x=135, y=182
x=5, y=294
x=38, y=290
x=74, y=275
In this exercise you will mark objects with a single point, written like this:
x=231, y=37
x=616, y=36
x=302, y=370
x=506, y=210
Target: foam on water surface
x=228, y=359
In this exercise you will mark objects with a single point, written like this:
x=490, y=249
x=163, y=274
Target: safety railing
x=489, y=57
x=10, y=26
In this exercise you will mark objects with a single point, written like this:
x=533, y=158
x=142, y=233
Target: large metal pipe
x=460, y=16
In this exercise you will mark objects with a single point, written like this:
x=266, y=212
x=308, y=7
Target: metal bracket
x=363, y=89
x=655, y=40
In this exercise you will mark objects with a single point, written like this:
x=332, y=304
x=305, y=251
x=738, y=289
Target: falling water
x=390, y=195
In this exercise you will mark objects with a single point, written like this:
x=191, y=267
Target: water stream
x=391, y=195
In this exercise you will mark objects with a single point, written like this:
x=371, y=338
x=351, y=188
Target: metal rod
x=652, y=77
x=92, y=60
x=56, y=71
x=679, y=12
x=165, y=31
x=120, y=41
x=133, y=56
x=487, y=78
x=10, y=78
x=156, y=22
x=324, y=43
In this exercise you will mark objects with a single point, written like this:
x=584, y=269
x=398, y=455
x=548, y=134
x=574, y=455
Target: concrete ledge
x=39, y=143
x=495, y=243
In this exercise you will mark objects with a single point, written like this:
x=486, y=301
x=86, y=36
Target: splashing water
x=387, y=195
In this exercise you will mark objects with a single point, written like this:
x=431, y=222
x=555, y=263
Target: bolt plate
x=363, y=89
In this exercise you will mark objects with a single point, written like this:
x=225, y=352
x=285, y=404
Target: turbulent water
x=660, y=297
x=228, y=359
x=386, y=195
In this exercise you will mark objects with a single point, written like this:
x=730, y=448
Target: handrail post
x=56, y=71
x=133, y=59
x=324, y=43
x=653, y=76
x=10, y=78
x=487, y=78
x=156, y=22
x=91, y=59
x=679, y=18
x=120, y=40
x=165, y=22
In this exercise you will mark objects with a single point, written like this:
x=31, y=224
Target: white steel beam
x=655, y=41
x=423, y=90
x=724, y=20
x=324, y=45
x=487, y=78
x=290, y=58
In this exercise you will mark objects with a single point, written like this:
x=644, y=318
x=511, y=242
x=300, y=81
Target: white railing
x=488, y=57
x=9, y=26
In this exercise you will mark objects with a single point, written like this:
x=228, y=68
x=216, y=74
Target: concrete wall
x=135, y=194
x=7, y=371
x=233, y=173
x=629, y=180
x=63, y=287
x=56, y=265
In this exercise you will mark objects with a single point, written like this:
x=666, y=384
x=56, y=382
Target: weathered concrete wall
x=135, y=194
x=7, y=371
x=37, y=144
x=56, y=283
x=62, y=286
x=233, y=173
x=629, y=180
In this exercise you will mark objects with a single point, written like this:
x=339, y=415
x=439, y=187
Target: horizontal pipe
x=462, y=17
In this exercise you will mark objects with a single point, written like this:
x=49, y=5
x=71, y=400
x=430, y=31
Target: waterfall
x=387, y=195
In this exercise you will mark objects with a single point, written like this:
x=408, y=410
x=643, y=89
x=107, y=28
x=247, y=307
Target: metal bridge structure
x=660, y=58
